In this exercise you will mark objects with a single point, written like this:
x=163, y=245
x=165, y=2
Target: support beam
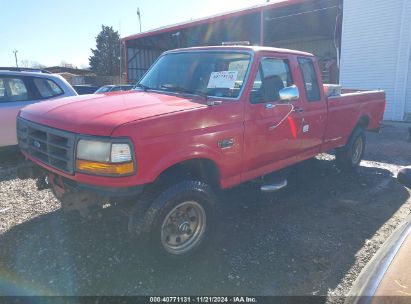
x=262, y=27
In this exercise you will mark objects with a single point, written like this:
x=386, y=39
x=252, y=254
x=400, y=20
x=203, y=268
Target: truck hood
x=99, y=114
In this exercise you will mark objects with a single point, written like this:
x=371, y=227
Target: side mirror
x=289, y=93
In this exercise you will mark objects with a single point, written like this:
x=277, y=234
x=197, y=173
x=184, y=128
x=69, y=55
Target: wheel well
x=198, y=169
x=363, y=122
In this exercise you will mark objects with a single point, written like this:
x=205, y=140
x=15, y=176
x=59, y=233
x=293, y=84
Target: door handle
x=298, y=110
x=272, y=127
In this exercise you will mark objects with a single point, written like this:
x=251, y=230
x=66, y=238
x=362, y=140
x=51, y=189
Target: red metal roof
x=215, y=18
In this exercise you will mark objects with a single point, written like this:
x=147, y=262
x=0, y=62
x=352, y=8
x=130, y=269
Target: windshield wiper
x=144, y=87
x=179, y=89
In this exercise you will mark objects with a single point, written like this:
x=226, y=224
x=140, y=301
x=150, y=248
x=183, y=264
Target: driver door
x=271, y=126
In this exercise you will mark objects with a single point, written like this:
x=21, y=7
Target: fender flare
x=181, y=155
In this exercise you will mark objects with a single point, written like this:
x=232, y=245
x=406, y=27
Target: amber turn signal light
x=105, y=168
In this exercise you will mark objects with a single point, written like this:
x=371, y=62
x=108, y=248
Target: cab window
x=272, y=76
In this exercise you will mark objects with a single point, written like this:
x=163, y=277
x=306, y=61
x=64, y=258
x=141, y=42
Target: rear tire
x=177, y=222
x=348, y=158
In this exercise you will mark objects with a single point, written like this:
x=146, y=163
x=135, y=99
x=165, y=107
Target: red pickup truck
x=201, y=119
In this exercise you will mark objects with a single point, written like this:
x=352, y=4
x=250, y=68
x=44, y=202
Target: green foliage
x=105, y=59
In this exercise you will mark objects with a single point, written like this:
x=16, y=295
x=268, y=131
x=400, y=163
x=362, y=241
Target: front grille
x=48, y=145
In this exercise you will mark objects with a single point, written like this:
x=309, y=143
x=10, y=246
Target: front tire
x=177, y=222
x=348, y=158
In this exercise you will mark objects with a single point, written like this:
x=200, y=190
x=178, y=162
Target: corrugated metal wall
x=408, y=94
x=376, y=42
x=322, y=48
x=308, y=26
x=144, y=51
x=139, y=60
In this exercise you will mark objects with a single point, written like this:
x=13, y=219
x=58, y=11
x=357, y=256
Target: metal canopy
x=272, y=24
x=303, y=21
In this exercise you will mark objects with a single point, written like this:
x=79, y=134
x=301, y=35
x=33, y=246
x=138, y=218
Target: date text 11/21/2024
x=203, y=299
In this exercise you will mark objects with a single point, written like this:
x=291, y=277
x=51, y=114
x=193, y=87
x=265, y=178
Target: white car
x=21, y=87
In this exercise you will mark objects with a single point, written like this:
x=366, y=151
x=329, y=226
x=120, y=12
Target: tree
x=31, y=64
x=105, y=59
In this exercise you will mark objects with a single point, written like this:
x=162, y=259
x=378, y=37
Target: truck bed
x=347, y=109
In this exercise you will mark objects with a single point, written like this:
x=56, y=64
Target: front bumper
x=62, y=184
x=110, y=191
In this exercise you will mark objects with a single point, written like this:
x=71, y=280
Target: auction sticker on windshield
x=222, y=80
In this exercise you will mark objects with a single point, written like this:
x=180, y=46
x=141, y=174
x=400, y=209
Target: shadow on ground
x=389, y=146
x=301, y=240
x=9, y=158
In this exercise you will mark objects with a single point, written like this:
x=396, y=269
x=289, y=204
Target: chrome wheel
x=357, y=150
x=183, y=227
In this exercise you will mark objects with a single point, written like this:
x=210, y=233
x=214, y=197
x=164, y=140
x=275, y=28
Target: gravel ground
x=312, y=238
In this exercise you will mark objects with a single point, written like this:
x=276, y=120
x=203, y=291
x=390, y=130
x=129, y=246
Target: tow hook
x=42, y=183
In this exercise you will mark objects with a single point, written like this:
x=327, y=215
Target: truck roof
x=244, y=48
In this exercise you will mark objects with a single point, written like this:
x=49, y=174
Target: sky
x=51, y=32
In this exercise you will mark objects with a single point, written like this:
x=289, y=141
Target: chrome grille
x=50, y=146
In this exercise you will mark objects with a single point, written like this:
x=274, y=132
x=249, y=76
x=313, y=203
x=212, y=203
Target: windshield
x=219, y=74
x=104, y=89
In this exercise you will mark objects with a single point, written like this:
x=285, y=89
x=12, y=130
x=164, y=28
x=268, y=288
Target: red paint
x=293, y=128
x=166, y=130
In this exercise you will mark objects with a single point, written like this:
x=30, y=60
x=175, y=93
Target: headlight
x=104, y=158
x=93, y=150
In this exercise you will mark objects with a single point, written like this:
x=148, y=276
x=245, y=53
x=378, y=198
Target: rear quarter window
x=47, y=88
x=2, y=91
x=311, y=86
x=13, y=89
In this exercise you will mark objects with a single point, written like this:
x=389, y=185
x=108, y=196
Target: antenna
x=15, y=57
x=120, y=46
x=139, y=17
